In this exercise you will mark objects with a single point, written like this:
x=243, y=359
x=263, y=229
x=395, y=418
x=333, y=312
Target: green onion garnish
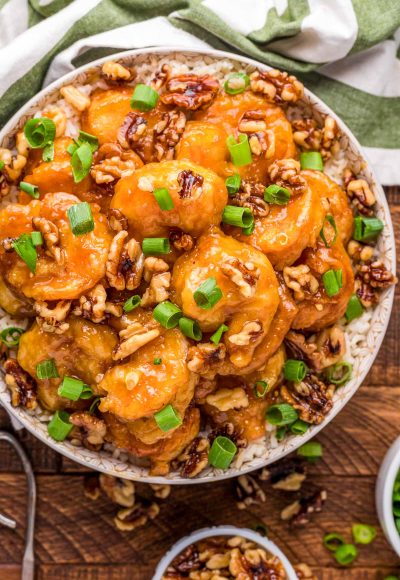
x=144, y=98
x=236, y=83
x=363, y=534
x=281, y=414
x=241, y=217
x=333, y=541
x=91, y=140
x=233, y=183
x=167, y=314
x=354, y=308
x=276, y=194
x=216, y=337
x=59, y=427
x=72, y=147
x=47, y=369
x=222, y=452
x=81, y=218
x=340, y=373
x=331, y=221
x=240, y=151
x=94, y=405
x=260, y=389
x=37, y=239
x=163, y=198
x=294, y=370
x=155, y=246
x=48, y=153
x=26, y=251
x=207, y=294
x=367, y=229
x=30, y=189
x=190, y=328
x=167, y=418
x=132, y=303
x=248, y=231
x=281, y=433
x=311, y=450
x=11, y=335
x=39, y=132
x=157, y=361
x=2, y=165
x=81, y=162
x=299, y=427
x=333, y=282
x=345, y=554
x=311, y=160
x=72, y=389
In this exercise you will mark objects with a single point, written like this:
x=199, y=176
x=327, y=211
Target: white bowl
x=118, y=466
x=223, y=531
x=383, y=494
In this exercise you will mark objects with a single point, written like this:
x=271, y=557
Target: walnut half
x=22, y=386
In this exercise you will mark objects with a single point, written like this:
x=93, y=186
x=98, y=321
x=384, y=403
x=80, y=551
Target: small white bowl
x=204, y=533
x=383, y=494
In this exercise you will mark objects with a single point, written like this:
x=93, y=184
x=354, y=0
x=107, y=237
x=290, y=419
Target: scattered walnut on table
x=125, y=262
x=116, y=72
x=287, y=474
x=75, y=98
x=91, y=487
x=161, y=491
x=137, y=516
x=51, y=238
x=286, y=173
x=88, y=431
x=248, y=492
x=277, y=86
x=311, y=398
x=190, y=91
x=300, y=511
x=194, y=458
x=22, y=386
x=52, y=319
x=300, y=280
x=304, y=572
x=167, y=133
x=119, y=491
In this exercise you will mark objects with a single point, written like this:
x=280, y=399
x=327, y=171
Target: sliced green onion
x=167, y=314
x=155, y=246
x=340, y=373
x=241, y=217
x=248, y=231
x=30, y=189
x=163, y=198
x=144, y=98
x=260, y=389
x=72, y=147
x=81, y=162
x=363, y=534
x=239, y=151
x=37, y=239
x=132, y=303
x=281, y=414
x=222, y=452
x=157, y=361
x=233, y=183
x=311, y=160
x=11, y=335
x=190, y=328
x=48, y=153
x=2, y=165
x=47, y=369
x=281, y=433
x=207, y=294
x=331, y=220
x=71, y=388
x=236, y=83
x=294, y=370
x=87, y=392
x=94, y=405
x=397, y=524
x=345, y=554
x=81, y=218
x=40, y=132
x=333, y=541
x=333, y=282
x=367, y=229
x=167, y=418
x=310, y=450
x=391, y=578
x=216, y=337
x=26, y=251
x=60, y=426
x=396, y=504
x=276, y=194
x=299, y=427
x=354, y=308
x=91, y=140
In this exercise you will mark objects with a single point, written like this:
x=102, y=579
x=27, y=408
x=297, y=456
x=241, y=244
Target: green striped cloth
x=346, y=51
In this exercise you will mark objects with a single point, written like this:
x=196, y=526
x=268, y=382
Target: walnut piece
x=89, y=430
x=300, y=280
x=158, y=290
x=75, y=97
x=206, y=358
x=91, y=487
x=309, y=136
x=244, y=276
x=248, y=492
x=132, y=131
x=22, y=386
x=300, y=511
x=117, y=220
x=52, y=319
x=115, y=72
x=60, y=120
x=181, y=241
x=190, y=91
x=161, y=491
x=95, y=307
x=160, y=77
x=303, y=572
x=251, y=196
x=125, y=262
x=319, y=351
x=286, y=173
x=226, y=399
x=119, y=491
x=134, y=336
x=359, y=252
x=261, y=140
x=134, y=517
x=194, y=457
x=361, y=195
x=51, y=238
x=371, y=278
x=111, y=162
x=167, y=133
x=251, y=332
x=277, y=86
x=184, y=563
x=311, y=398
x=190, y=183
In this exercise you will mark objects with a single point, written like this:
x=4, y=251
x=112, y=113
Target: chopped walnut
x=371, y=277
x=185, y=563
x=4, y=185
x=160, y=77
x=89, y=430
x=206, y=358
x=191, y=184
x=252, y=197
x=158, y=290
x=181, y=241
x=359, y=252
x=119, y=491
x=125, y=263
x=22, y=386
x=21, y=142
x=248, y=492
x=368, y=296
x=226, y=399
x=311, y=398
x=153, y=266
x=190, y=91
x=111, y=162
x=308, y=136
x=51, y=238
x=194, y=457
x=303, y=572
x=287, y=474
x=133, y=337
x=161, y=491
x=95, y=307
x=300, y=280
x=319, y=351
x=300, y=511
x=261, y=140
x=361, y=195
x=52, y=319
x=75, y=97
x=251, y=332
x=91, y=487
x=286, y=173
x=58, y=116
x=117, y=220
x=276, y=85
x=167, y=133
x=115, y=72
x=244, y=276
x=13, y=166
x=132, y=131
x=228, y=430
x=134, y=517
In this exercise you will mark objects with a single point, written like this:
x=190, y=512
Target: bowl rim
x=222, y=530
x=390, y=466
x=388, y=293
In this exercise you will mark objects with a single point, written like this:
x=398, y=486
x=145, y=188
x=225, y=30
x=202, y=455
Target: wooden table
x=76, y=537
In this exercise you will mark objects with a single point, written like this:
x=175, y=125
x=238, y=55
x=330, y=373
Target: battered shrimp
x=107, y=112
x=249, y=291
x=199, y=197
x=83, y=351
x=79, y=262
x=13, y=302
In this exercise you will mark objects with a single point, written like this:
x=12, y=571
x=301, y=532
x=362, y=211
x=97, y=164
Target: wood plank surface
x=77, y=539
